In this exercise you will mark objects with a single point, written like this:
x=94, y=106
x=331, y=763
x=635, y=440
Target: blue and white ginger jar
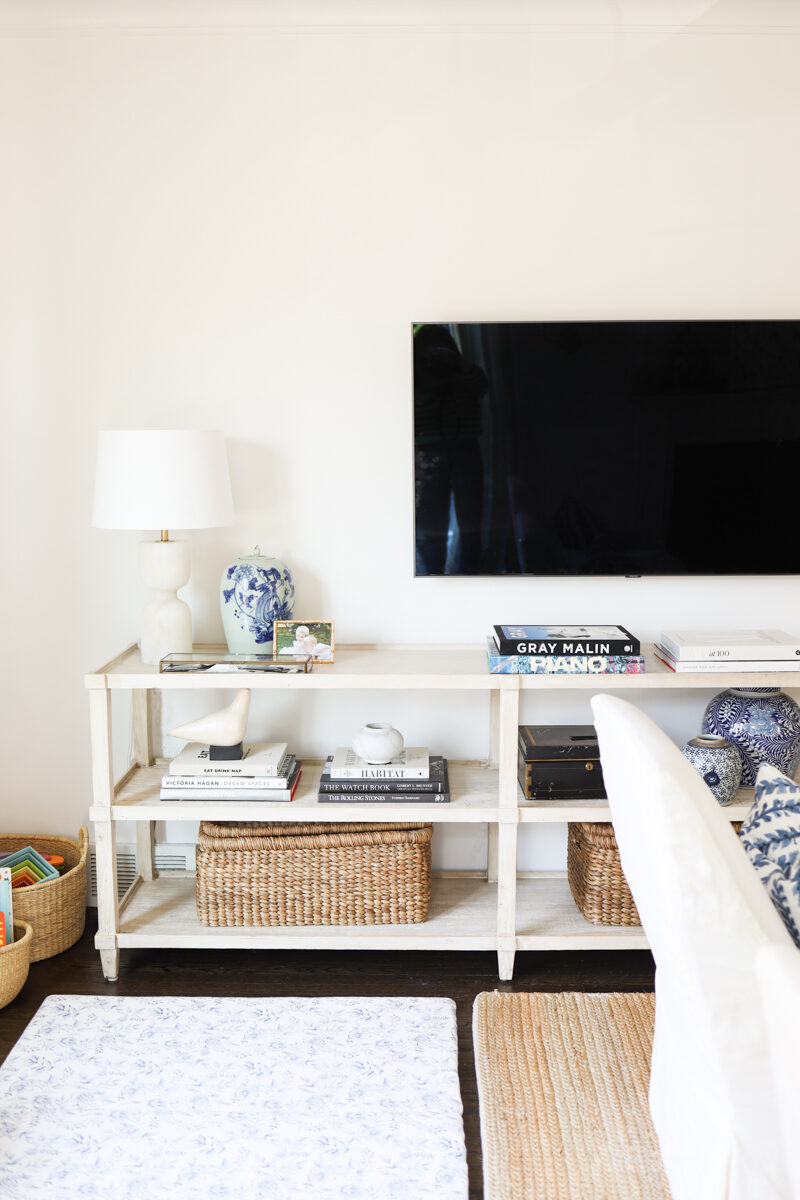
x=762, y=723
x=255, y=592
x=719, y=762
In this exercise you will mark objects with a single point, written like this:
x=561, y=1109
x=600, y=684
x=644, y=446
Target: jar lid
x=709, y=741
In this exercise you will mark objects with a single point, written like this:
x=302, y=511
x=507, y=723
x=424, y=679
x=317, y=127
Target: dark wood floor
x=461, y=976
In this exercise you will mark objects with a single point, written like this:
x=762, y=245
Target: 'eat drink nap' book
x=264, y=783
x=258, y=758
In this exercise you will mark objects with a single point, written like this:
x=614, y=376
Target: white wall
x=227, y=215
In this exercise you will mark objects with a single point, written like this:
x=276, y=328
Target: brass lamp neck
x=164, y=535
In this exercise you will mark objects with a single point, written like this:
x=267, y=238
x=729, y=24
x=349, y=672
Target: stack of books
x=416, y=777
x=563, y=650
x=6, y=908
x=742, y=650
x=265, y=772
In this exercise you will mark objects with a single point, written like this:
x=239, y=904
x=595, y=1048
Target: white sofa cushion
x=770, y=834
x=705, y=914
x=778, y=970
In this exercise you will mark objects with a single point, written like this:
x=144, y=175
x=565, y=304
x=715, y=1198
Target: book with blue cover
x=6, y=908
x=572, y=664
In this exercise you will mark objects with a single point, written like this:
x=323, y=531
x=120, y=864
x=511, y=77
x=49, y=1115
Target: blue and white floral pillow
x=771, y=835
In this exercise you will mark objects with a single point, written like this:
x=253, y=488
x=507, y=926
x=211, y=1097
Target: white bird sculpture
x=225, y=727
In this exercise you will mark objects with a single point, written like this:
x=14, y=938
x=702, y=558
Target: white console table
x=494, y=911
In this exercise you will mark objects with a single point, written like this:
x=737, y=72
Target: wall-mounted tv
x=607, y=448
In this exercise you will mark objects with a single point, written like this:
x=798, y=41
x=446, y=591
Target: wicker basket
x=596, y=880
x=56, y=908
x=252, y=874
x=14, y=962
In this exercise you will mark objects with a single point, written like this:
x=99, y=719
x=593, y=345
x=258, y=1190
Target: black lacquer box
x=560, y=762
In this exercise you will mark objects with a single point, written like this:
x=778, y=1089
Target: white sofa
x=712, y=929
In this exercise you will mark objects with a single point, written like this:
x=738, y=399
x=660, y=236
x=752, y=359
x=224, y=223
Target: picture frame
x=291, y=638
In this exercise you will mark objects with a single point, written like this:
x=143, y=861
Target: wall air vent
x=168, y=857
x=126, y=872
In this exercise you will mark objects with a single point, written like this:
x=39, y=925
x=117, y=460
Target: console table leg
x=505, y=964
x=109, y=960
x=107, y=898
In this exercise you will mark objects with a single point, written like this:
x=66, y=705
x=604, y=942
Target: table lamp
x=162, y=479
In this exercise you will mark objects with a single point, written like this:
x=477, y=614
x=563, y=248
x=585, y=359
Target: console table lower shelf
x=463, y=916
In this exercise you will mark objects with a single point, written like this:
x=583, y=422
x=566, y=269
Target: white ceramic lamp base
x=166, y=619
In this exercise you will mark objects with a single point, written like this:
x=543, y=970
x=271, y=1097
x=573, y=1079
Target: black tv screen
x=607, y=448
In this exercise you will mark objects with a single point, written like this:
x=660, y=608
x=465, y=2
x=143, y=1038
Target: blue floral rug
x=347, y=1099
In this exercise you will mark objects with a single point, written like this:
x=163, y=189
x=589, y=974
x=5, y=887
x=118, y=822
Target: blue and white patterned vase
x=762, y=723
x=719, y=762
x=255, y=592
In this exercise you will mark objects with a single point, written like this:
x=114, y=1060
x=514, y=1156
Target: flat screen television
x=607, y=448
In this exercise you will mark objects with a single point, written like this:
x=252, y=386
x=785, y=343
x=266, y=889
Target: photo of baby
x=304, y=637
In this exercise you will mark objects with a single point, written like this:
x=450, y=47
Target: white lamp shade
x=162, y=479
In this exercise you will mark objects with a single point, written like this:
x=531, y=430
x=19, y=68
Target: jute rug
x=562, y=1081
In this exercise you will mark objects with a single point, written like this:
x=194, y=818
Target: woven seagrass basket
x=253, y=874
x=56, y=908
x=14, y=962
x=596, y=879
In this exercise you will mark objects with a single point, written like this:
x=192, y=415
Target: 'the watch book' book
x=437, y=781
x=384, y=797
x=555, y=641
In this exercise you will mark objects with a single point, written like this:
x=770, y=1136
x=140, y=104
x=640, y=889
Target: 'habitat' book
x=258, y=758
x=557, y=641
x=413, y=763
x=575, y=664
x=437, y=781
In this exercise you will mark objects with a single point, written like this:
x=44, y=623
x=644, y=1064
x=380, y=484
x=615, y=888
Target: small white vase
x=378, y=743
